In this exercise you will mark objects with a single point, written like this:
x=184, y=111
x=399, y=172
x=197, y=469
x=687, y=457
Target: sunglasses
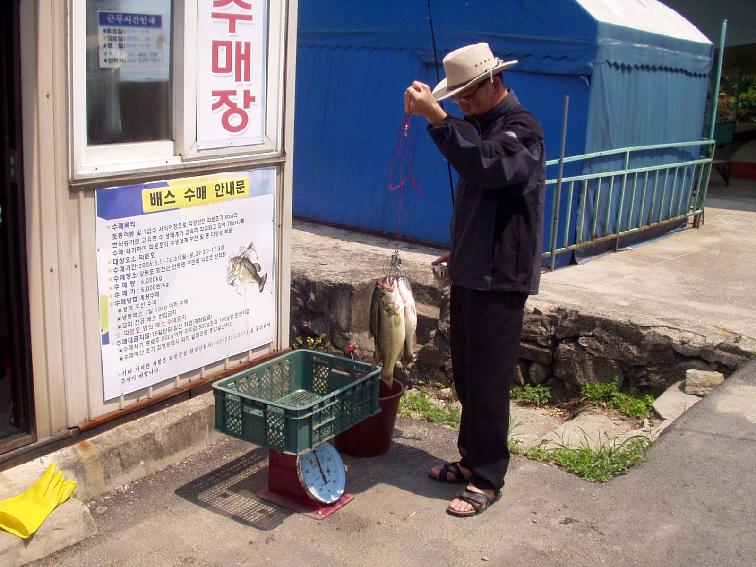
x=470, y=94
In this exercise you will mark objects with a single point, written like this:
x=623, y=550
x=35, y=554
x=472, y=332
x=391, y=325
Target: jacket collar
x=483, y=121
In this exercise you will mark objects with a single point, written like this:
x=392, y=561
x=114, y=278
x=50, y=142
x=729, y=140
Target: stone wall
x=565, y=348
x=338, y=310
x=561, y=347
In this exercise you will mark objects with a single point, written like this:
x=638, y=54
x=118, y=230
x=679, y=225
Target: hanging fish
x=387, y=326
x=410, y=318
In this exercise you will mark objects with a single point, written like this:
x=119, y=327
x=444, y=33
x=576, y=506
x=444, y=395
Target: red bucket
x=372, y=436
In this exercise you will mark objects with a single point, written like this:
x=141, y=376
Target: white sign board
x=185, y=273
x=231, y=62
x=130, y=40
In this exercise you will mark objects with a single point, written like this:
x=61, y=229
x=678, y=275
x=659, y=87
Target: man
x=495, y=256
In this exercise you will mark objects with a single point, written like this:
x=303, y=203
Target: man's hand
x=440, y=269
x=419, y=101
x=441, y=259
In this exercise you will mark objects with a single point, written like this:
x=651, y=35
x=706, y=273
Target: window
x=128, y=71
x=158, y=83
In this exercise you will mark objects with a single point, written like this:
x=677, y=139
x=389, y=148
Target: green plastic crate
x=296, y=401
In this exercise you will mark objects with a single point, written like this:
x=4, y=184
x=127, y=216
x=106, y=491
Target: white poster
x=231, y=72
x=185, y=273
x=130, y=40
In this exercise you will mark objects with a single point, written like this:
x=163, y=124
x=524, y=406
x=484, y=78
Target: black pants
x=485, y=343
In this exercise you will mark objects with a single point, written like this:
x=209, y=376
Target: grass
x=607, y=394
x=320, y=343
x=595, y=464
x=418, y=403
x=598, y=464
x=534, y=395
x=515, y=445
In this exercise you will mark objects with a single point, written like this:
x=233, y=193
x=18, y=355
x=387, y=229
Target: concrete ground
x=690, y=504
x=699, y=279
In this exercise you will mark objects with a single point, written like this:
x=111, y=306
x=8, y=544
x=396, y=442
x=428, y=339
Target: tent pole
x=701, y=198
x=557, y=197
x=715, y=95
x=438, y=80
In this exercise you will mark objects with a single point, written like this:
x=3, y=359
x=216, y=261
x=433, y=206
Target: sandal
x=451, y=473
x=477, y=500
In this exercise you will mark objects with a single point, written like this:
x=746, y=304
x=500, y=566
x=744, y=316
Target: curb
x=67, y=525
x=102, y=463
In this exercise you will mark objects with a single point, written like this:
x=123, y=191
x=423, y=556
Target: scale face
x=322, y=474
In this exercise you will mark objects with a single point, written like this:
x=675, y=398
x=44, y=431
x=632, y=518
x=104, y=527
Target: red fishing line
x=400, y=168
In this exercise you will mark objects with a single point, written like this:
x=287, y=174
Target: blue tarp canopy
x=635, y=71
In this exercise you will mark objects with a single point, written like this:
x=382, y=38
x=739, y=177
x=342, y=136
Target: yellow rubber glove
x=23, y=514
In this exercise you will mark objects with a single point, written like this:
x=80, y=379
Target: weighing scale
x=312, y=483
x=292, y=404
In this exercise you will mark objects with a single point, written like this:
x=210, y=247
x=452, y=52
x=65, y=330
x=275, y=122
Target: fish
x=410, y=319
x=391, y=306
x=241, y=268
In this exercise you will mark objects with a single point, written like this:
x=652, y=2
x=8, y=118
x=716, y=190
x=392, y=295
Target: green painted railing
x=625, y=201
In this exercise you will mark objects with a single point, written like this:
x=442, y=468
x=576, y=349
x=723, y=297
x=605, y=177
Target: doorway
x=16, y=394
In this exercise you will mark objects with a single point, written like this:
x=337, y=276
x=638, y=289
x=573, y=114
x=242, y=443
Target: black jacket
x=497, y=224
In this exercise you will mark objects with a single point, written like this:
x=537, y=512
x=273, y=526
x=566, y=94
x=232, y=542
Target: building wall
x=43, y=83
x=64, y=310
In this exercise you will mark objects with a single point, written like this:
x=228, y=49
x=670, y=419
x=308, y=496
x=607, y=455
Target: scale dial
x=322, y=474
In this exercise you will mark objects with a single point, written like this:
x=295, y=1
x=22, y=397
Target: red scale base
x=285, y=489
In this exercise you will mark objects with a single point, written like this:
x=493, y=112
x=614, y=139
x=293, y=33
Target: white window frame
x=114, y=160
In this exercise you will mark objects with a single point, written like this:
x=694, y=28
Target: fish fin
x=410, y=331
x=262, y=281
x=374, y=310
x=375, y=307
x=257, y=267
x=407, y=356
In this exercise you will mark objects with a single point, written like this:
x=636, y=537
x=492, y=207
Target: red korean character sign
x=230, y=72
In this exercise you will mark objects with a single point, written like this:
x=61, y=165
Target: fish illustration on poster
x=244, y=269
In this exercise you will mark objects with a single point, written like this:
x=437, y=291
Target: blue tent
x=634, y=77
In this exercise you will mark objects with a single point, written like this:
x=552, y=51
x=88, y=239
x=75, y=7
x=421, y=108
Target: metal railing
x=625, y=201
x=680, y=198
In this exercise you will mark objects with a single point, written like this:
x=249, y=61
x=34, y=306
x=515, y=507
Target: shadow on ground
x=405, y=467
x=233, y=490
x=230, y=490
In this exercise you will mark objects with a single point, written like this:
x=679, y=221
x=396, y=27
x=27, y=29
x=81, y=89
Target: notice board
x=185, y=274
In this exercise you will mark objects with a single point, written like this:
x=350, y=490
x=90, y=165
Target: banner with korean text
x=185, y=275
x=231, y=71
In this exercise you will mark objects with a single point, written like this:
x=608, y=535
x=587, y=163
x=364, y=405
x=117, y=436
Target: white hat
x=468, y=66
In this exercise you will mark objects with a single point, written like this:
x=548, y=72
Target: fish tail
x=262, y=281
x=387, y=375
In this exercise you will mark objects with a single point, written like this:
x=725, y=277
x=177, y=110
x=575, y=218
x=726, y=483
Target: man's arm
x=496, y=162
x=499, y=161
